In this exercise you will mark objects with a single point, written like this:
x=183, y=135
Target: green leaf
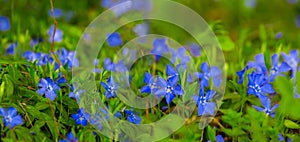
x=211, y=133
x=291, y=124
x=52, y=126
x=226, y=43
x=41, y=105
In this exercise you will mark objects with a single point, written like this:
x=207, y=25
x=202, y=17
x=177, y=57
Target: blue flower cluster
x=260, y=78
x=49, y=88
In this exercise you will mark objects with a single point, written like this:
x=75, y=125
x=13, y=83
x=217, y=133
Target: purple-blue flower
x=250, y=3
x=81, y=117
x=58, y=34
x=67, y=58
x=4, y=23
x=132, y=117
x=70, y=138
x=195, y=49
x=292, y=60
x=150, y=84
x=75, y=93
x=180, y=56
x=48, y=88
x=10, y=50
x=111, y=88
x=141, y=29
x=259, y=86
x=205, y=106
x=277, y=69
x=119, y=66
x=267, y=109
x=35, y=41
x=114, y=39
x=292, y=1
x=207, y=73
x=219, y=138
x=159, y=48
x=168, y=88
x=57, y=12
x=10, y=117
x=278, y=35
x=298, y=21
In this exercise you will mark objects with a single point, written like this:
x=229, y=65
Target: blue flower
x=267, y=109
x=48, y=88
x=280, y=137
x=114, y=39
x=195, y=49
x=133, y=118
x=278, y=35
x=81, y=117
x=259, y=86
x=57, y=12
x=250, y=3
x=75, y=92
x=203, y=102
x=141, y=29
x=180, y=55
x=292, y=60
x=150, y=84
x=277, y=70
x=207, y=73
x=110, y=88
x=58, y=34
x=168, y=88
x=159, y=48
x=11, y=48
x=292, y=1
x=219, y=138
x=298, y=21
x=10, y=117
x=110, y=66
x=67, y=58
x=258, y=64
x=173, y=76
x=144, y=5
x=4, y=23
x=35, y=41
x=70, y=138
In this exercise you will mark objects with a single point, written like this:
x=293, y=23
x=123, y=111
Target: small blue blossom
x=292, y=1
x=159, y=48
x=173, y=76
x=298, y=21
x=10, y=117
x=48, y=88
x=168, y=88
x=58, y=34
x=114, y=39
x=110, y=66
x=127, y=5
x=81, y=117
x=10, y=50
x=219, y=138
x=150, y=84
x=267, y=109
x=203, y=102
x=250, y=3
x=141, y=29
x=207, y=73
x=278, y=35
x=277, y=70
x=133, y=118
x=195, y=49
x=292, y=60
x=180, y=55
x=118, y=115
x=4, y=23
x=280, y=137
x=259, y=86
x=70, y=138
x=35, y=41
x=67, y=58
x=110, y=88
x=258, y=64
x=57, y=12
x=75, y=93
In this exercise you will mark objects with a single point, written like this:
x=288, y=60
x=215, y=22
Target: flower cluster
x=260, y=79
